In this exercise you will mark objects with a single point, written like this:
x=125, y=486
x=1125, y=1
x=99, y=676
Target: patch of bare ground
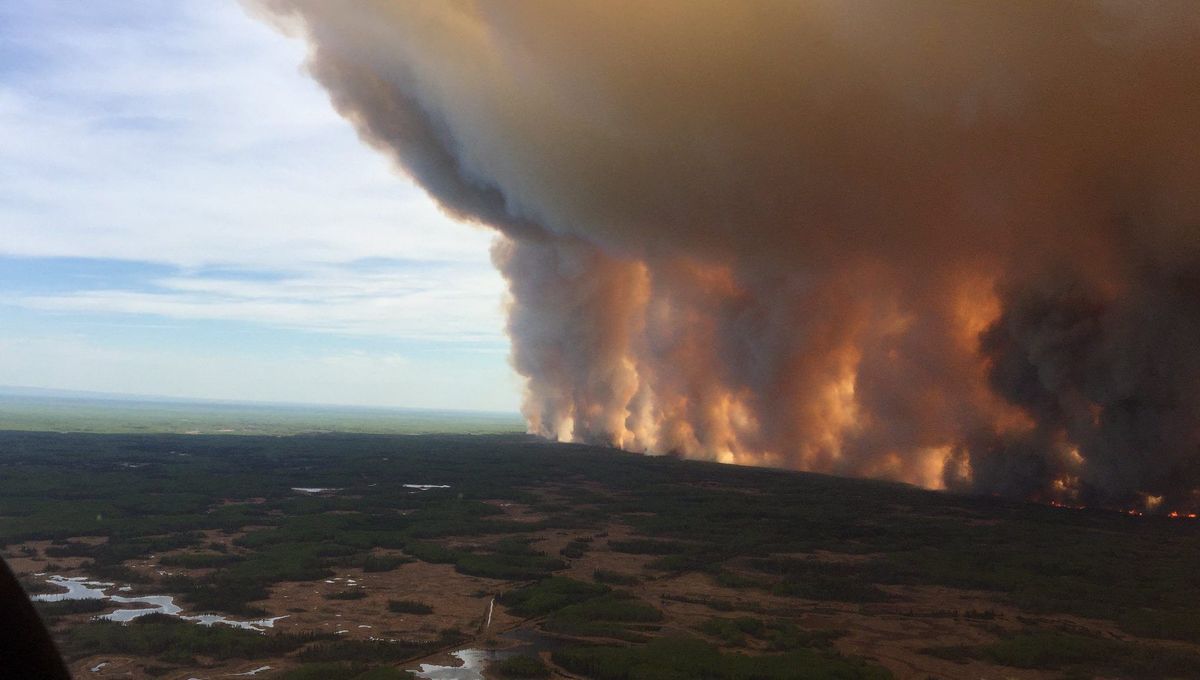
x=891, y=633
x=30, y=557
x=829, y=556
x=598, y=556
x=151, y=570
x=458, y=601
x=109, y=667
x=894, y=633
x=240, y=501
x=223, y=538
x=893, y=639
x=517, y=512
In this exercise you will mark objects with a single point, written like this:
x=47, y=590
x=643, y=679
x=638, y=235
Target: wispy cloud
x=369, y=378
x=186, y=132
x=446, y=302
x=183, y=212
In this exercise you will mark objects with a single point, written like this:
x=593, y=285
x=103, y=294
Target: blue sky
x=183, y=213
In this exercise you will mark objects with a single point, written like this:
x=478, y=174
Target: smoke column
x=950, y=243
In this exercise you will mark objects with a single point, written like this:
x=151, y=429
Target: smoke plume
x=950, y=243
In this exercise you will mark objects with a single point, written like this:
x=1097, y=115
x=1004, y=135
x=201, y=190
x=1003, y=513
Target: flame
x=1132, y=512
x=873, y=259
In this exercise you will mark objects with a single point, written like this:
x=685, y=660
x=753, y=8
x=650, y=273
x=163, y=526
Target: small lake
x=474, y=661
x=80, y=588
x=416, y=488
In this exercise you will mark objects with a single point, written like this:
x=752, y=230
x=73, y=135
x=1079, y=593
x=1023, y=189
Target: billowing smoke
x=951, y=243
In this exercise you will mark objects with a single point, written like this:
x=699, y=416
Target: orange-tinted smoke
x=948, y=243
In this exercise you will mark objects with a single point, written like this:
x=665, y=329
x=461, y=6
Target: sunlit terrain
x=80, y=412
x=364, y=556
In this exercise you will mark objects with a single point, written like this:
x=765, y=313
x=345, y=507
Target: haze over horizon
x=56, y=394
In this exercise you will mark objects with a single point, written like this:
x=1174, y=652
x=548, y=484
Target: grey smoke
x=948, y=243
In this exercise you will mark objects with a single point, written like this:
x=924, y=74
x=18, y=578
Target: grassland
x=636, y=567
x=81, y=413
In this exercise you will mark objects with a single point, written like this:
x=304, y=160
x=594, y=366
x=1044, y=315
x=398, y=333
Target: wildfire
x=1059, y=504
x=741, y=258
x=1132, y=512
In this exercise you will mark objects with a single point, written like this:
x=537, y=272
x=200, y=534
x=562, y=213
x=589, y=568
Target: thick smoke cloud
x=949, y=243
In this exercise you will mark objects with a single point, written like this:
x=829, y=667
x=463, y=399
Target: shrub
x=691, y=658
x=350, y=594
x=51, y=610
x=373, y=651
x=432, y=552
x=733, y=631
x=647, y=546
x=549, y=595
x=522, y=667
x=574, y=549
x=38, y=587
x=607, y=615
x=1081, y=653
x=378, y=563
x=157, y=635
x=325, y=671
x=508, y=566
x=616, y=606
x=615, y=578
x=408, y=607
x=207, y=560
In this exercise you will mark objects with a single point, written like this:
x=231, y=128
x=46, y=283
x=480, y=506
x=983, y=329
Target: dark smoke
x=950, y=243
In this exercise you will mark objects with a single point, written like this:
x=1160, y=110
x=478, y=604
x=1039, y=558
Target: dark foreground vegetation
x=171, y=640
x=759, y=534
x=689, y=658
x=522, y=666
x=1080, y=655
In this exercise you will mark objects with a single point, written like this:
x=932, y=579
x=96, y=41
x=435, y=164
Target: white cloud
x=185, y=133
x=196, y=143
x=448, y=303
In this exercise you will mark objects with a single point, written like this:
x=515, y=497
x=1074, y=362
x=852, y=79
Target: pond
x=80, y=588
x=529, y=641
x=473, y=663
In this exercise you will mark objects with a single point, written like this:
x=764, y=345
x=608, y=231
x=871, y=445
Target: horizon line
x=60, y=393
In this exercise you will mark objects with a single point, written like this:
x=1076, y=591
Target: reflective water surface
x=80, y=588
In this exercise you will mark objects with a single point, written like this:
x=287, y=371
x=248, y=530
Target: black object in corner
x=26, y=650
